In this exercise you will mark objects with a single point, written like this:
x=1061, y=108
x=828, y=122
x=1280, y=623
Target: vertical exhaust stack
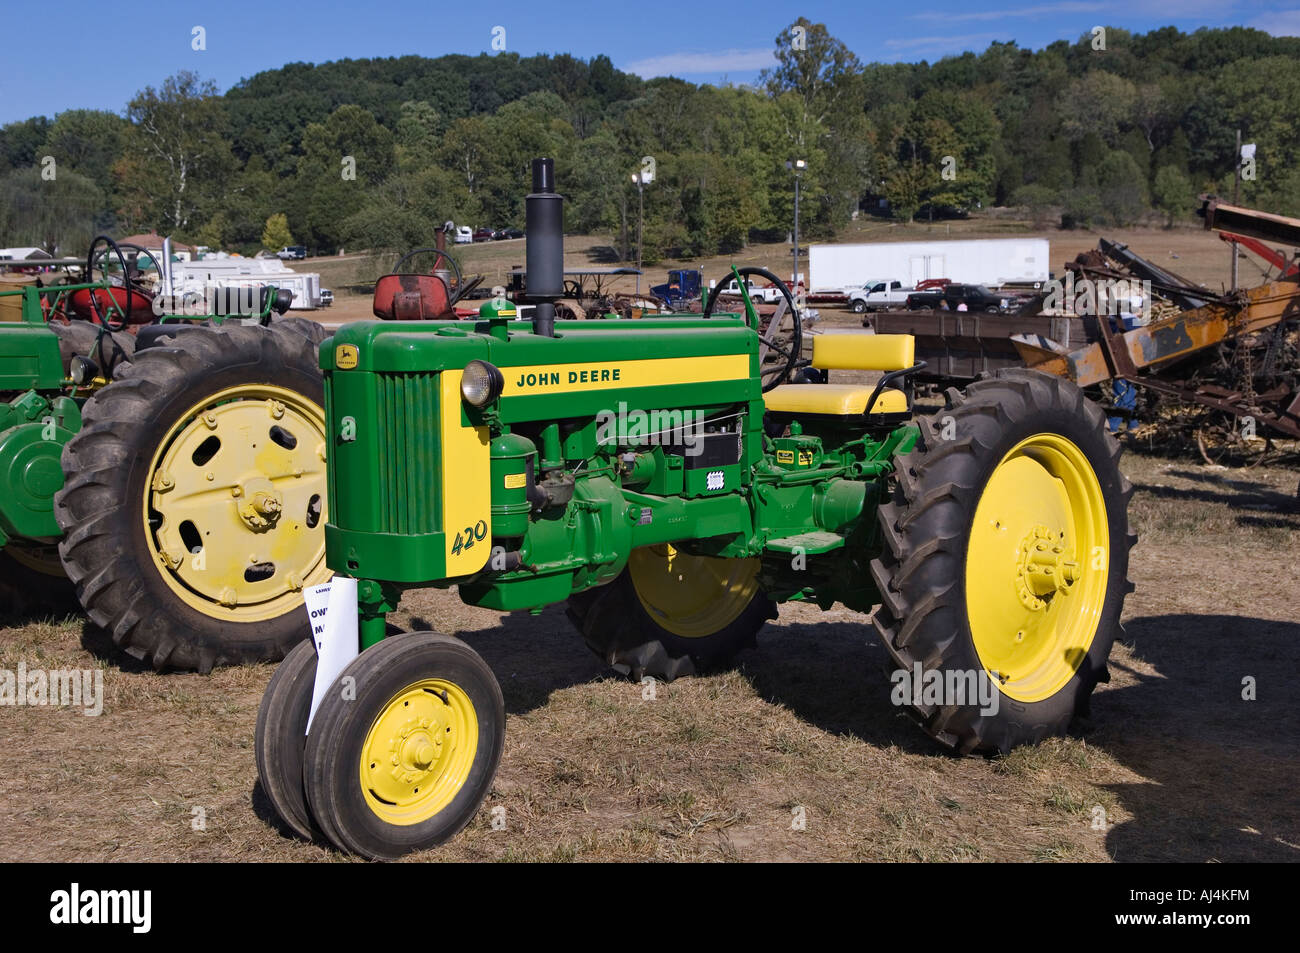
x=167, y=287
x=544, y=211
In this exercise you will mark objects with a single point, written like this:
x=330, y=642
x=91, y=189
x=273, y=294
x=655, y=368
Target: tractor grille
x=407, y=448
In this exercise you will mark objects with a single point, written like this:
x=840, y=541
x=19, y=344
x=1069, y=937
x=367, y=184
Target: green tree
x=1173, y=193
x=1122, y=188
x=1039, y=200
x=344, y=159
x=1098, y=102
x=21, y=142
x=905, y=187
x=176, y=158
x=87, y=141
x=60, y=215
x=215, y=232
x=276, y=234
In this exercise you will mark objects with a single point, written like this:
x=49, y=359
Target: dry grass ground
x=1180, y=766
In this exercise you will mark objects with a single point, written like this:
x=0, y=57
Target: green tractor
x=653, y=475
x=161, y=467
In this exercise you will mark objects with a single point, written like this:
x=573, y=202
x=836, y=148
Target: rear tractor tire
x=670, y=613
x=194, y=494
x=313, y=331
x=1005, y=560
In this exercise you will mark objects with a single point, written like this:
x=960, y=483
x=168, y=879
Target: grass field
x=1175, y=765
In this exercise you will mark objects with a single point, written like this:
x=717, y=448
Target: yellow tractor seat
x=863, y=352
x=858, y=352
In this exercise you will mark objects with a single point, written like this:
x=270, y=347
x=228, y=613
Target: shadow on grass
x=532, y=656
x=603, y=255
x=1219, y=770
x=100, y=644
x=1248, y=497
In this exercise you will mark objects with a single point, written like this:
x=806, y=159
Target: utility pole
x=642, y=178
x=797, y=166
x=1236, y=186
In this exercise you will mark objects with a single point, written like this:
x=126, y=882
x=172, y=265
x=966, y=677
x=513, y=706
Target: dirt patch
x=1176, y=765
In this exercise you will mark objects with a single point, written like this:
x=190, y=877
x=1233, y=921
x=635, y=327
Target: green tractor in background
x=162, y=469
x=656, y=478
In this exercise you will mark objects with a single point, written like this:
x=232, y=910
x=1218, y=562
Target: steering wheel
x=781, y=342
x=113, y=306
x=141, y=250
x=439, y=255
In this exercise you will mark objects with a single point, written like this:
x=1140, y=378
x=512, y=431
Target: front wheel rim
x=419, y=751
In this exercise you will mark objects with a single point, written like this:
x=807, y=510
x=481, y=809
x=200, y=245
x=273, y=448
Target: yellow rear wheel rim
x=238, y=516
x=419, y=751
x=1037, y=567
x=692, y=596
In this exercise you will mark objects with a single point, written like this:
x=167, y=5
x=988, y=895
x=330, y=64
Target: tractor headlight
x=481, y=383
x=82, y=370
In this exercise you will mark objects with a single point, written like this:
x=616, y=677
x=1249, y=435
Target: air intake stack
x=544, y=210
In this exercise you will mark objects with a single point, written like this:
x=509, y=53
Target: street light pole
x=797, y=166
x=640, y=228
x=1236, y=184
x=642, y=178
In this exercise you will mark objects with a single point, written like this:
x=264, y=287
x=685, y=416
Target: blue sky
x=96, y=55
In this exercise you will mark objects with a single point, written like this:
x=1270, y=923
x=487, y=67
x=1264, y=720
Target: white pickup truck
x=878, y=296
x=756, y=293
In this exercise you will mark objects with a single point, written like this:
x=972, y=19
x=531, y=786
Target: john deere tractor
x=161, y=468
x=652, y=476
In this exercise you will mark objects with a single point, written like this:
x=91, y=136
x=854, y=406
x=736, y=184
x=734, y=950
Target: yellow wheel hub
x=692, y=596
x=419, y=751
x=235, y=504
x=1037, y=567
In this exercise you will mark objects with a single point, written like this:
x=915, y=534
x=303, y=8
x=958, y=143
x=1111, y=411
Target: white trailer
x=988, y=261
x=196, y=277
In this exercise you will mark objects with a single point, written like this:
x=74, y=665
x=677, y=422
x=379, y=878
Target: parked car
x=501, y=234
x=484, y=234
x=876, y=297
x=291, y=252
x=326, y=297
x=953, y=297
x=464, y=235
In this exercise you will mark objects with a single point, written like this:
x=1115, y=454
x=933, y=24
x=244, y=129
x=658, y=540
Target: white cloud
x=711, y=62
x=1036, y=11
x=960, y=42
x=1282, y=23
